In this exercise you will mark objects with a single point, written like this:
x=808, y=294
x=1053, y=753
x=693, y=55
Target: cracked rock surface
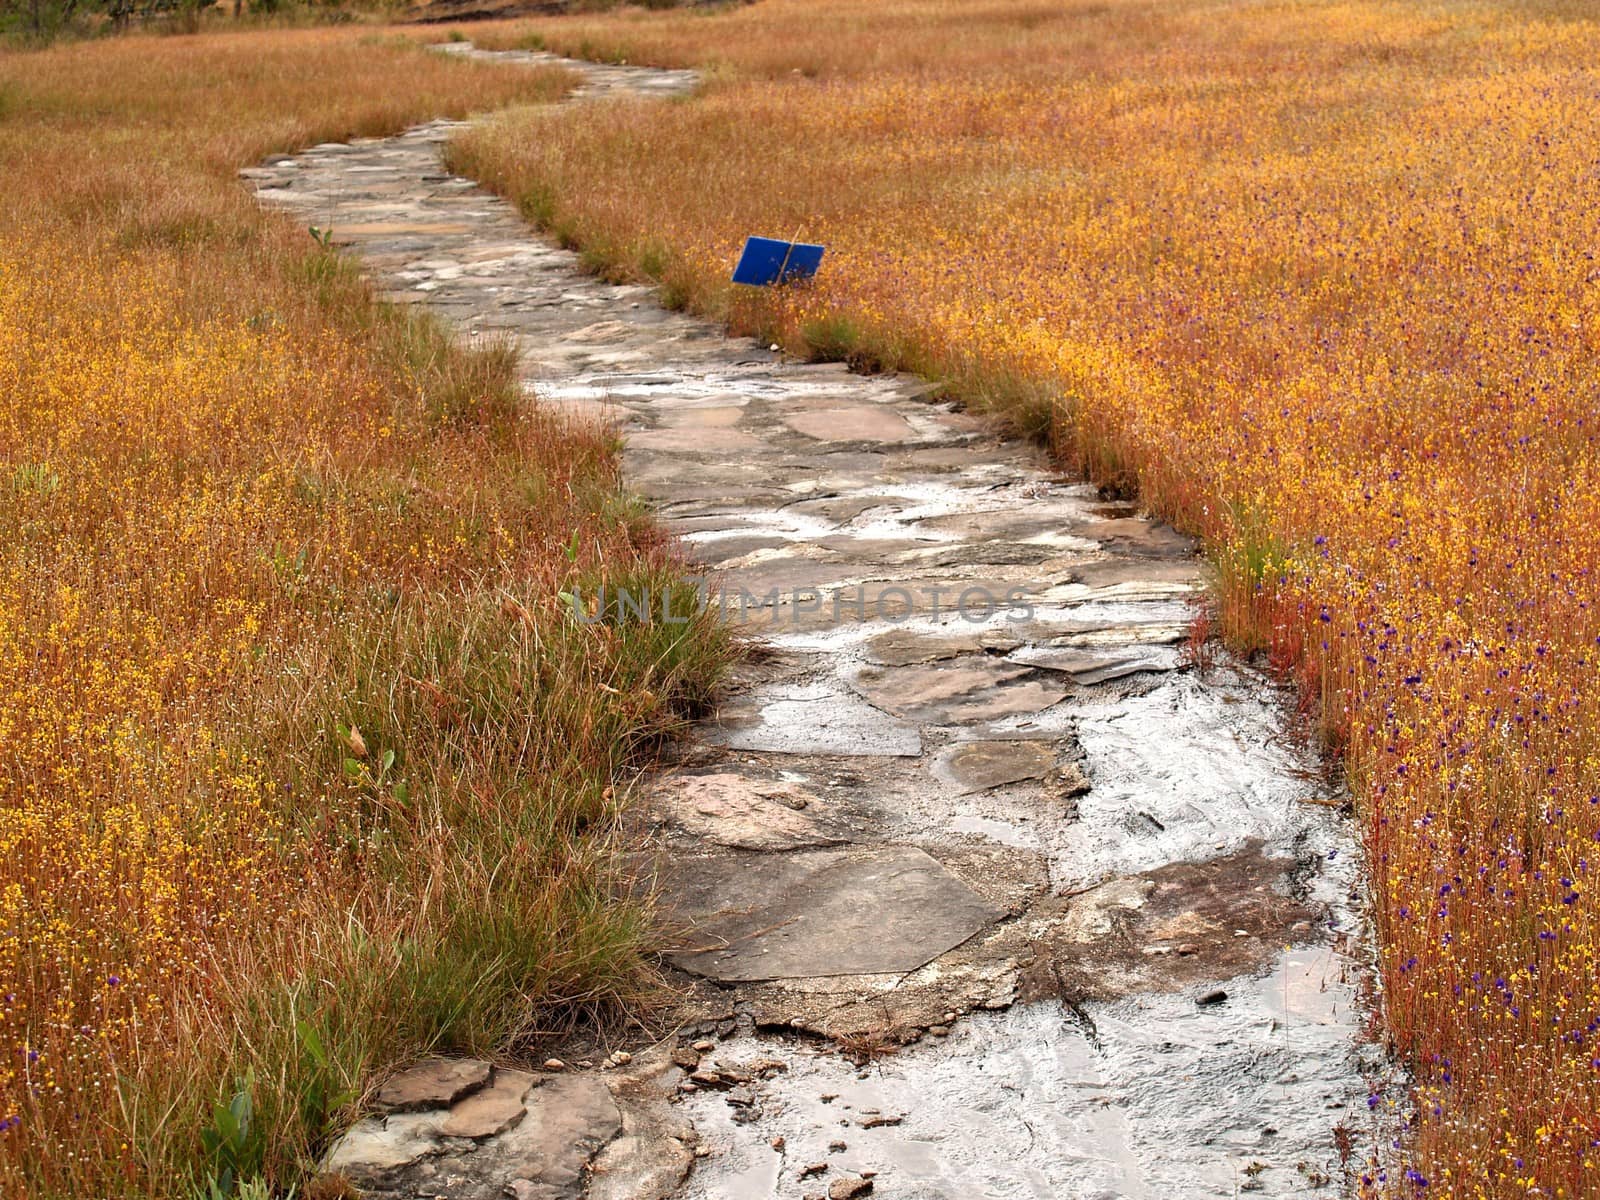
x=983, y=890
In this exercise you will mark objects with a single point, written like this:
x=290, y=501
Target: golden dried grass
x=302, y=770
x=1319, y=280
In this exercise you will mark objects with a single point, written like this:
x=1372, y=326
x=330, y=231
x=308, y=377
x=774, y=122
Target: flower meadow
x=302, y=771
x=1318, y=281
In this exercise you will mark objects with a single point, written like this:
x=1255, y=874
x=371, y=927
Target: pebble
x=704, y=1046
x=554, y=1064
x=778, y=1144
x=939, y=1030
x=810, y=1169
x=848, y=1188
x=835, y=1147
x=1216, y=996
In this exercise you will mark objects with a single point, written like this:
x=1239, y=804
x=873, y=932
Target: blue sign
x=767, y=261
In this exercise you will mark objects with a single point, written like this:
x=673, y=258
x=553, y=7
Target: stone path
x=985, y=891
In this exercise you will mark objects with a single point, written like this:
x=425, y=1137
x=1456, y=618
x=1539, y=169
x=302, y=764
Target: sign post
x=767, y=261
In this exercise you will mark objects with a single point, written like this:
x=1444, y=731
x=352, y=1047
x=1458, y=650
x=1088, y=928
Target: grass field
x=1319, y=281
x=302, y=770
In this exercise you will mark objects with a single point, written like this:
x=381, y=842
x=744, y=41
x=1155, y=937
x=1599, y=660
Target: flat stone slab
x=436, y=1083
x=600, y=331
x=493, y=1110
x=960, y=691
x=493, y=1144
x=1179, y=575
x=377, y=1145
x=813, y=721
x=852, y=423
x=979, y=766
x=1089, y=668
x=910, y=647
x=694, y=441
x=569, y=1119
x=714, y=417
x=375, y=229
x=1139, y=536
x=1126, y=635
x=796, y=573
x=842, y=508
x=741, y=813
x=889, y=909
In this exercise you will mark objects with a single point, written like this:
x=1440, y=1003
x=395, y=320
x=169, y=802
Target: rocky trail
x=987, y=890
